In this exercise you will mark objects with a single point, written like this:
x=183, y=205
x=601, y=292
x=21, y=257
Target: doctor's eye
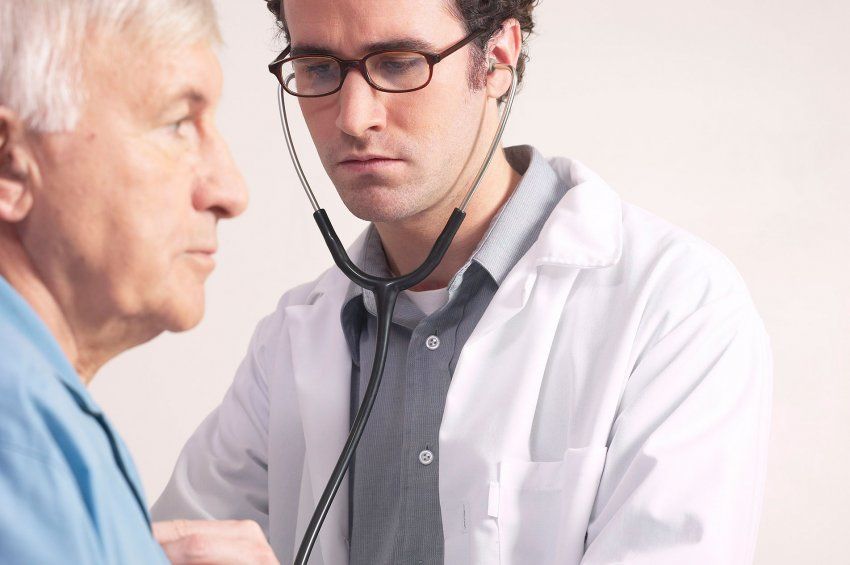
x=319, y=69
x=311, y=75
x=397, y=65
x=399, y=70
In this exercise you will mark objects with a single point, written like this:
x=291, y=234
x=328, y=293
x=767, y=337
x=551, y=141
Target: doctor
x=578, y=382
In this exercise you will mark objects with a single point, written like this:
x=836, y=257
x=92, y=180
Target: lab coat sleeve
x=222, y=471
x=683, y=480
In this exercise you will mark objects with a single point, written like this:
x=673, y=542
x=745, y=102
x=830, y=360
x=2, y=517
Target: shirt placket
x=427, y=378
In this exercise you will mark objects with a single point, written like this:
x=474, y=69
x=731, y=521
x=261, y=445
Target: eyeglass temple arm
x=463, y=43
x=279, y=58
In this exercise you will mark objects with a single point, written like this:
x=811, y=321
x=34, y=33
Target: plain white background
x=727, y=117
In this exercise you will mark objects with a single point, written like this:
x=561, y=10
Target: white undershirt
x=429, y=301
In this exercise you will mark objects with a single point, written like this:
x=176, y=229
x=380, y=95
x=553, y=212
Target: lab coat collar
x=586, y=228
x=584, y=231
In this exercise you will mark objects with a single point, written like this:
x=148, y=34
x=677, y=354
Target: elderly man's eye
x=183, y=128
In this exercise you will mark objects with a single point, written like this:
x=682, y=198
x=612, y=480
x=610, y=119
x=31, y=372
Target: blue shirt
x=69, y=492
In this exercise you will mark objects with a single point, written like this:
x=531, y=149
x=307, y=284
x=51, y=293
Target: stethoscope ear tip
x=493, y=65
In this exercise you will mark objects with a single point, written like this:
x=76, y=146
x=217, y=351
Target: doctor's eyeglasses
x=311, y=76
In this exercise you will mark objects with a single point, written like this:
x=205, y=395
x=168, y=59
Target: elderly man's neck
x=86, y=350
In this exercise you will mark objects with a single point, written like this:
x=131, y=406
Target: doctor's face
x=391, y=156
x=123, y=225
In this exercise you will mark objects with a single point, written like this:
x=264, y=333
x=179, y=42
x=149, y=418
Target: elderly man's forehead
x=149, y=74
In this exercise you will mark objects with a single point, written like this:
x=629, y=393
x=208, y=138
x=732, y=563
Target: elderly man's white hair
x=41, y=45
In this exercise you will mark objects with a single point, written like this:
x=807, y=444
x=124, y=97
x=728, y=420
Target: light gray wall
x=727, y=117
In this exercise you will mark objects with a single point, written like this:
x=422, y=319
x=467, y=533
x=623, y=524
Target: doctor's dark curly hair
x=476, y=14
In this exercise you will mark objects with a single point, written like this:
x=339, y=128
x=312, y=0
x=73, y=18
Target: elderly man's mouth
x=203, y=259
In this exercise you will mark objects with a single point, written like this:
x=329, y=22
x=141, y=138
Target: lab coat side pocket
x=543, y=508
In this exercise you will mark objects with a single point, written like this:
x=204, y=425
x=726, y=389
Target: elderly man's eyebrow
x=193, y=95
x=189, y=97
x=399, y=44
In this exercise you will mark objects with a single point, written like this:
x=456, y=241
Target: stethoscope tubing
x=386, y=292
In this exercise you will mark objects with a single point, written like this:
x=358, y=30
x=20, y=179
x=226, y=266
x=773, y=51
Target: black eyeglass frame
x=345, y=65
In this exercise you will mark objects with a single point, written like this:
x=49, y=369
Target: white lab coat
x=611, y=406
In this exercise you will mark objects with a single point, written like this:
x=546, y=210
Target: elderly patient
x=113, y=178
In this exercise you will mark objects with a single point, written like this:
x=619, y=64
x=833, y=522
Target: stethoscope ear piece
x=492, y=66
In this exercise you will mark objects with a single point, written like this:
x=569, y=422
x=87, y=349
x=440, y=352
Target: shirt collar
x=515, y=228
x=374, y=261
x=20, y=316
x=371, y=259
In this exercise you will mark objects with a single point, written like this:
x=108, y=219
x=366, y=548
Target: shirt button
x=432, y=343
x=426, y=457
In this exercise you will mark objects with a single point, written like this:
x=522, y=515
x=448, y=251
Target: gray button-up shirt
x=394, y=495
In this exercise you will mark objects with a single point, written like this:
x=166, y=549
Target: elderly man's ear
x=17, y=166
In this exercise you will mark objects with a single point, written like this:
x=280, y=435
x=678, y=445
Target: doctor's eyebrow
x=400, y=44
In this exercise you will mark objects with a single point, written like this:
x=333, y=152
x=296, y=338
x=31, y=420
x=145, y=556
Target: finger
x=201, y=549
x=169, y=531
x=173, y=530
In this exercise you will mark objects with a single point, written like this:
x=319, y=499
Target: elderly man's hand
x=200, y=542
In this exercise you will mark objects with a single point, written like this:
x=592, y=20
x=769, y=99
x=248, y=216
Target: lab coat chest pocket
x=542, y=508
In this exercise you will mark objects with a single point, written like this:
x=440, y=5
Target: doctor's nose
x=360, y=107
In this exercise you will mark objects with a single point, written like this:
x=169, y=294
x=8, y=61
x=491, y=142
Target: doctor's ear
x=16, y=167
x=504, y=48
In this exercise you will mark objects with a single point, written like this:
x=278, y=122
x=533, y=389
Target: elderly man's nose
x=223, y=188
x=360, y=106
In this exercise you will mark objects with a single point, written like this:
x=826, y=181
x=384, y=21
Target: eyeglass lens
x=392, y=71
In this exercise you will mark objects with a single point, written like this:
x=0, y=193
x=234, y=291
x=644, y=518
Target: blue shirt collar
x=20, y=315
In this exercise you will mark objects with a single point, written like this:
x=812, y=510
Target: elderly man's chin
x=183, y=307
x=184, y=310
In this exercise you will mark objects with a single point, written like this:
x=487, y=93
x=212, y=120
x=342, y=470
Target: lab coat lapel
x=321, y=367
x=583, y=232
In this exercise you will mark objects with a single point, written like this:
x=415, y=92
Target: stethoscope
x=386, y=292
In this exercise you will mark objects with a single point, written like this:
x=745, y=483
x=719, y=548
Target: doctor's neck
x=407, y=243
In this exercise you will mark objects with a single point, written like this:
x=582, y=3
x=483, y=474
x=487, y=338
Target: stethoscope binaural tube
x=386, y=292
